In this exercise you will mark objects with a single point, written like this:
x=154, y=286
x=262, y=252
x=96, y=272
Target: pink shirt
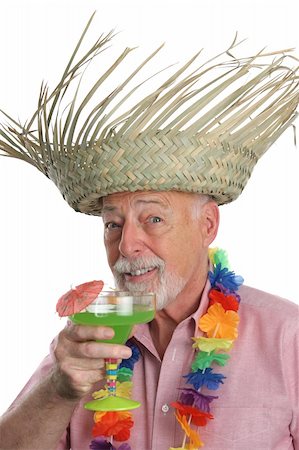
x=258, y=404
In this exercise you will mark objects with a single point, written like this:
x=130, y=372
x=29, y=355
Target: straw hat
x=202, y=130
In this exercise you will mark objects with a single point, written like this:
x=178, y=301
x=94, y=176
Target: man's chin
x=137, y=288
x=161, y=300
x=166, y=289
x=141, y=288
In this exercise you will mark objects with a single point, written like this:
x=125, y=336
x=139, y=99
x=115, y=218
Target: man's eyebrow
x=111, y=208
x=108, y=208
x=156, y=202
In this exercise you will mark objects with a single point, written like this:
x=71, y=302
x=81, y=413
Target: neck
x=184, y=305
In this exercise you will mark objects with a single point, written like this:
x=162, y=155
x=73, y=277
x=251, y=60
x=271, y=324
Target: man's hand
x=80, y=359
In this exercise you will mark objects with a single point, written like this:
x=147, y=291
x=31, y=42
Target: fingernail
x=126, y=353
x=108, y=333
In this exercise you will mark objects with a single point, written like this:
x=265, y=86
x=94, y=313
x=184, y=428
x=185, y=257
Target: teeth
x=141, y=271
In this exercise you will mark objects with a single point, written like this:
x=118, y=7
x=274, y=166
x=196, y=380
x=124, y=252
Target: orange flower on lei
x=195, y=441
x=218, y=323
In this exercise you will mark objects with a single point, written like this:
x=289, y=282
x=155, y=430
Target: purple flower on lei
x=191, y=397
x=226, y=291
x=205, y=378
x=101, y=444
x=229, y=280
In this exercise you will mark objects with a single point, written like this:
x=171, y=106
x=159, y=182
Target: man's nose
x=132, y=240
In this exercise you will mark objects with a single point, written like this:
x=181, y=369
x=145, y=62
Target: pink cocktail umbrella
x=78, y=298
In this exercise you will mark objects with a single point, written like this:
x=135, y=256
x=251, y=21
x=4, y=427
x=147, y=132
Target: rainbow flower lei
x=220, y=325
x=116, y=425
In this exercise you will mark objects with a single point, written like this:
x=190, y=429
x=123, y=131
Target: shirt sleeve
x=291, y=374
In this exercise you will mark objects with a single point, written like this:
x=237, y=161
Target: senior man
x=156, y=174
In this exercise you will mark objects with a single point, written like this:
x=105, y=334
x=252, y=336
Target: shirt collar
x=202, y=307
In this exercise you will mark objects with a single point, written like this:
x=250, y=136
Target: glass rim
x=121, y=293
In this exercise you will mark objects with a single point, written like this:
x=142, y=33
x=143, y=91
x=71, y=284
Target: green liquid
x=122, y=324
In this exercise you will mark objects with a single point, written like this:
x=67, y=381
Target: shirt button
x=165, y=408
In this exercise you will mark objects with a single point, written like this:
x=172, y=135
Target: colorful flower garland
x=116, y=425
x=220, y=324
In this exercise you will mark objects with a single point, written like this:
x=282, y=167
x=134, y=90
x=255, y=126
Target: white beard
x=166, y=287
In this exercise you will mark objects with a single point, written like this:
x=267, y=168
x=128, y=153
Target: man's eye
x=111, y=226
x=155, y=219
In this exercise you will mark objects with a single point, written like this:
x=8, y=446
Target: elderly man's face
x=154, y=241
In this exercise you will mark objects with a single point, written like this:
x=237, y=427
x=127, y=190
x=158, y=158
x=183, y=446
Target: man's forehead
x=122, y=199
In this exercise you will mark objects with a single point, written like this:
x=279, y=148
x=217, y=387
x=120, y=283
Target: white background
x=44, y=245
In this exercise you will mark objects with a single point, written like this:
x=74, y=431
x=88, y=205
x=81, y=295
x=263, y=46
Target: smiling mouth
x=139, y=272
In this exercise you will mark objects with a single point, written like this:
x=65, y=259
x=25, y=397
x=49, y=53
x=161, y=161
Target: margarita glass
x=121, y=311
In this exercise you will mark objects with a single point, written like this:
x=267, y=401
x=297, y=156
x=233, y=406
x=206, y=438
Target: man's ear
x=210, y=217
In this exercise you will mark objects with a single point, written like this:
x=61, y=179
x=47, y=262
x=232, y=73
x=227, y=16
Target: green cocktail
x=120, y=311
x=121, y=324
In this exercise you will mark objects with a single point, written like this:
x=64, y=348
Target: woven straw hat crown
x=202, y=130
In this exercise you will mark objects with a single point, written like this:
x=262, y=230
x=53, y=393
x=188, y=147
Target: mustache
x=123, y=265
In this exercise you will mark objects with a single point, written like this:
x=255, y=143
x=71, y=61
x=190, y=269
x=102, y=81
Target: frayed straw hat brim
x=202, y=130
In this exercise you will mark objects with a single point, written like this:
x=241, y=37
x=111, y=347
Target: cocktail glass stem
x=111, y=375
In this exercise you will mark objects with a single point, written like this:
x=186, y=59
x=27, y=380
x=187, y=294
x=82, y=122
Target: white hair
x=166, y=287
x=198, y=202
